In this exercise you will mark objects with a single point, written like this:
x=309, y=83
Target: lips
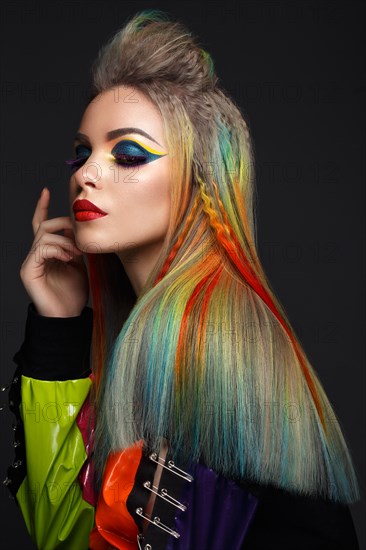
x=86, y=206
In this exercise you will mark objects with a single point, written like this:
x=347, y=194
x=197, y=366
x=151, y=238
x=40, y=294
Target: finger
x=41, y=210
x=54, y=224
x=49, y=241
x=56, y=253
x=45, y=253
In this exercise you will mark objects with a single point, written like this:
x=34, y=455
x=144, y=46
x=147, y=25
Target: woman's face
x=122, y=167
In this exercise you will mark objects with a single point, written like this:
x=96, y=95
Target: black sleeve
x=56, y=348
x=284, y=521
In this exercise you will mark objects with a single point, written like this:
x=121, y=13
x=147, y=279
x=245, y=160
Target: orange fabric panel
x=114, y=526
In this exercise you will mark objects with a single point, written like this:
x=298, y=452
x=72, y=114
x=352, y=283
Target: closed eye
x=127, y=161
x=127, y=153
x=82, y=154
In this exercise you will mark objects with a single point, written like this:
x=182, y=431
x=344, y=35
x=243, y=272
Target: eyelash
x=77, y=163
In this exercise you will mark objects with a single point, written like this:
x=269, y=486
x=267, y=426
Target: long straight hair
x=205, y=356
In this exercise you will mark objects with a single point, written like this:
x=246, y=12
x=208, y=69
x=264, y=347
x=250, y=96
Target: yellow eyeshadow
x=150, y=149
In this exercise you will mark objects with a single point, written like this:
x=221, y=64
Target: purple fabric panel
x=218, y=513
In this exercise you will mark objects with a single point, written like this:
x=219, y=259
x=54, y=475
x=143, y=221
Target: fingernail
x=42, y=190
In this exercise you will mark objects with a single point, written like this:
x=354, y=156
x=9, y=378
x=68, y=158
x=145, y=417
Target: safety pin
x=14, y=381
x=170, y=467
x=165, y=495
x=146, y=547
x=156, y=521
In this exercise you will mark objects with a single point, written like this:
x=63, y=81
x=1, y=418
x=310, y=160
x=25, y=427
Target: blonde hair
x=166, y=364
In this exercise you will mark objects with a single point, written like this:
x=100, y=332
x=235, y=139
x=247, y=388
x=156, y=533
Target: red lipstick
x=85, y=210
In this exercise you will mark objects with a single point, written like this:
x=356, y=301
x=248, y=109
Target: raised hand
x=54, y=273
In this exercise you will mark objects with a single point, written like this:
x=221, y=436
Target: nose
x=88, y=175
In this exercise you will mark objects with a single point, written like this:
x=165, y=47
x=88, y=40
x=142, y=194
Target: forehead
x=121, y=106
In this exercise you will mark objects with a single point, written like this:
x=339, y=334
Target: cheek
x=147, y=199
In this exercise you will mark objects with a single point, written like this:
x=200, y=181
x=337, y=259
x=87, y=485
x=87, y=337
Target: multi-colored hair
x=205, y=356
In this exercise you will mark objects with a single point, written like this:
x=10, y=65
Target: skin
x=137, y=203
x=138, y=211
x=136, y=200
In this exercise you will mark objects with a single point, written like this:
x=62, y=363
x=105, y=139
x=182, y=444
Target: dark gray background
x=297, y=70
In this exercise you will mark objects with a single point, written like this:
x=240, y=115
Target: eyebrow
x=113, y=134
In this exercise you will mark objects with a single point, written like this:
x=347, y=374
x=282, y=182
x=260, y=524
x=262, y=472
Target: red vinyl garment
x=114, y=526
x=56, y=350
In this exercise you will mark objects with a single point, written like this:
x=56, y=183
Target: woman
x=201, y=423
